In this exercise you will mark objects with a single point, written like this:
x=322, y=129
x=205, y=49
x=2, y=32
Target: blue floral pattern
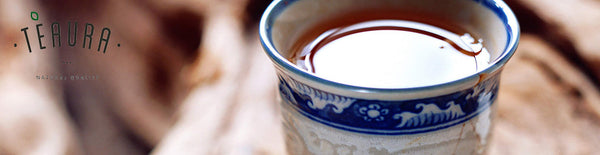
x=373, y=112
x=388, y=117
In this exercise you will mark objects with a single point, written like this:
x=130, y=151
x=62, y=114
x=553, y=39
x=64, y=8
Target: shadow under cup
x=326, y=117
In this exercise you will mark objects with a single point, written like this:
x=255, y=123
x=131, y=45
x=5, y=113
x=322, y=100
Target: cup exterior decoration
x=325, y=117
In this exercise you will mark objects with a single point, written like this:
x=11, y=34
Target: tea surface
x=390, y=53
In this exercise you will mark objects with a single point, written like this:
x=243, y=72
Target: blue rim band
x=500, y=8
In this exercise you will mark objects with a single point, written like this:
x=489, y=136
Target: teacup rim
x=499, y=7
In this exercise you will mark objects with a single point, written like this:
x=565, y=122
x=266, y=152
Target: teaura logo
x=57, y=35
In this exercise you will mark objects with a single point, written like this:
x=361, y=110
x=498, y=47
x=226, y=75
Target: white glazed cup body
x=326, y=117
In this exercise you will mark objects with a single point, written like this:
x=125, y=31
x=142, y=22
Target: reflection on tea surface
x=392, y=54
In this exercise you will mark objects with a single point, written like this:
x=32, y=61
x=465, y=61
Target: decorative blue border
x=388, y=117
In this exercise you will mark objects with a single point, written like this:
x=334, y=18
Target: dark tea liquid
x=389, y=52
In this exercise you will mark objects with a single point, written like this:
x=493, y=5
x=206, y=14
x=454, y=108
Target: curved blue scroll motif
x=388, y=117
x=431, y=114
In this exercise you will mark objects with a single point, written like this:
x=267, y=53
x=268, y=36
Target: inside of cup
x=474, y=16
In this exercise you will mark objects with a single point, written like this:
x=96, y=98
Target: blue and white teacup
x=327, y=117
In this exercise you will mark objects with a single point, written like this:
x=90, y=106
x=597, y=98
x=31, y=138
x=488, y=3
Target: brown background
x=191, y=78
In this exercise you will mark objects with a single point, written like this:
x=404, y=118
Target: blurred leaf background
x=190, y=77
